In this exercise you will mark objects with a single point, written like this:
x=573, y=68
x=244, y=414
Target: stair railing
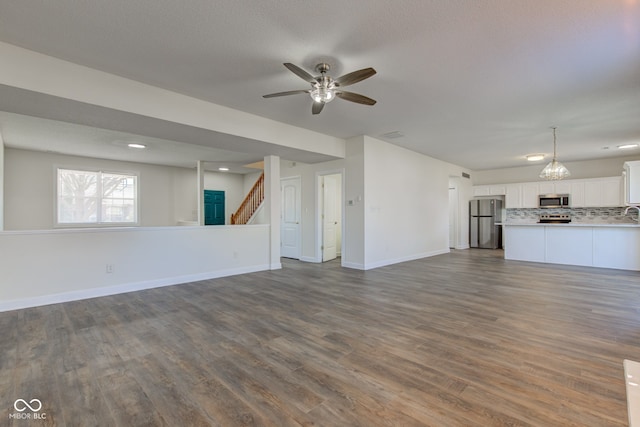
x=250, y=204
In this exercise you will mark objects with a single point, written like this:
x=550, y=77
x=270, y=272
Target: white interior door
x=290, y=218
x=331, y=214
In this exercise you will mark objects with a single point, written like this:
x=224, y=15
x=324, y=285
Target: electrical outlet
x=110, y=268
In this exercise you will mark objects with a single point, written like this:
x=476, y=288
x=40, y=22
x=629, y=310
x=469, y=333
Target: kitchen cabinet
x=513, y=196
x=576, y=194
x=596, y=245
x=489, y=190
x=631, y=184
x=603, y=192
x=592, y=192
x=562, y=187
x=616, y=248
x=547, y=187
x=524, y=243
x=530, y=192
x=569, y=245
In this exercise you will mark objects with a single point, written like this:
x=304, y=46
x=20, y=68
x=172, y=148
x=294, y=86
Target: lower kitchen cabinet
x=569, y=245
x=597, y=245
x=616, y=248
x=524, y=243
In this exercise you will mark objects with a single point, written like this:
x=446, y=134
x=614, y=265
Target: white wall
x=583, y=169
x=354, y=245
x=30, y=188
x=271, y=207
x=45, y=267
x=406, y=204
x=1, y=183
x=185, y=196
x=391, y=214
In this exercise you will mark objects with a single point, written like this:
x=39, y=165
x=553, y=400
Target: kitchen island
x=606, y=245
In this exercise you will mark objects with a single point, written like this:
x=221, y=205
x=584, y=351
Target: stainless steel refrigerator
x=483, y=231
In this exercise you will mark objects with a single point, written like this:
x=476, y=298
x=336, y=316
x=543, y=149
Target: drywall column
x=1, y=183
x=354, y=212
x=272, y=207
x=200, y=198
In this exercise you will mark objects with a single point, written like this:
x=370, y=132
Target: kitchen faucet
x=634, y=207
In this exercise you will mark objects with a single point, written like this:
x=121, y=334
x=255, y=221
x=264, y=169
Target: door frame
x=297, y=178
x=318, y=213
x=454, y=212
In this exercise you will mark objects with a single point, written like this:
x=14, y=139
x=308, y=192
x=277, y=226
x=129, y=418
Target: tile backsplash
x=583, y=215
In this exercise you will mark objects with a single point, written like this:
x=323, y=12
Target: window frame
x=96, y=224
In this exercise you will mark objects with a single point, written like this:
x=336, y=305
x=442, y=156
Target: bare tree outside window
x=89, y=197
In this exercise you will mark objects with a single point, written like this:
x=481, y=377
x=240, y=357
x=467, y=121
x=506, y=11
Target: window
x=96, y=198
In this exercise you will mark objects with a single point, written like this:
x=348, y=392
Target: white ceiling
x=477, y=83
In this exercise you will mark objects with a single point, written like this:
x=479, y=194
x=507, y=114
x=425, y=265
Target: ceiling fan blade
x=355, y=77
x=355, y=97
x=300, y=72
x=317, y=107
x=289, y=92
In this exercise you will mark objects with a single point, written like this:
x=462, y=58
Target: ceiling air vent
x=465, y=175
x=392, y=135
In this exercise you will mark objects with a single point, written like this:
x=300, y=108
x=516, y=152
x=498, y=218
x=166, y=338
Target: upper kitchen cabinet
x=576, y=193
x=631, y=183
x=590, y=193
x=562, y=187
x=530, y=191
x=513, y=196
x=547, y=187
x=603, y=192
x=489, y=190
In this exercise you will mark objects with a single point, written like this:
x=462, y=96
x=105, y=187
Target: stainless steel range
x=554, y=218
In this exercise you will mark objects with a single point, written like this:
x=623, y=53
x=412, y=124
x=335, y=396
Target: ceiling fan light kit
x=325, y=89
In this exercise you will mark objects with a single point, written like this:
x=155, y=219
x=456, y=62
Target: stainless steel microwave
x=549, y=201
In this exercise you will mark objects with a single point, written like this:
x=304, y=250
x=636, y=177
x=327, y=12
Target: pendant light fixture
x=554, y=170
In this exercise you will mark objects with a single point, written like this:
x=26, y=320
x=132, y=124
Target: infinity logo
x=26, y=405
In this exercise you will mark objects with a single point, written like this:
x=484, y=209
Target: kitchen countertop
x=572, y=224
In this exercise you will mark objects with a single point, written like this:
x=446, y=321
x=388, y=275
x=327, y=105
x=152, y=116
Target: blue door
x=213, y=207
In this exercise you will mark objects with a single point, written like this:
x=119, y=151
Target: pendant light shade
x=554, y=170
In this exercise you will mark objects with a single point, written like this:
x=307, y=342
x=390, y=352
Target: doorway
x=453, y=213
x=330, y=215
x=290, y=213
x=213, y=207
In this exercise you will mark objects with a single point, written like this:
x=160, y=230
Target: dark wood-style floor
x=462, y=339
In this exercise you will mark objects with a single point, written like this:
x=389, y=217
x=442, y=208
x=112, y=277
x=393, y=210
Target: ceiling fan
x=325, y=89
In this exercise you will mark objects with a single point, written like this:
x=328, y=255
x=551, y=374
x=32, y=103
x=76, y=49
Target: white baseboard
x=414, y=257
x=124, y=288
x=309, y=259
x=354, y=265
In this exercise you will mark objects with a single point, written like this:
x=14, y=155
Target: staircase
x=250, y=204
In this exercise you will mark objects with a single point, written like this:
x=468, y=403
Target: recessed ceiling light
x=534, y=157
x=223, y=169
x=136, y=145
x=627, y=146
